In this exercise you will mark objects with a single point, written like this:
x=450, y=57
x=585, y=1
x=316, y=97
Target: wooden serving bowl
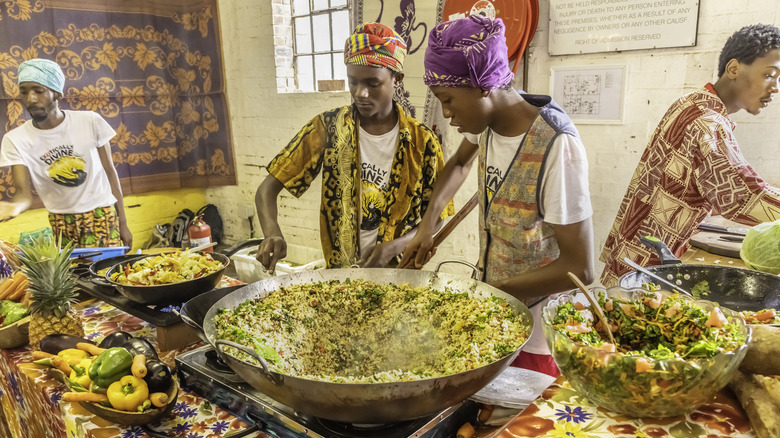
x=127, y=418
x=16, y=334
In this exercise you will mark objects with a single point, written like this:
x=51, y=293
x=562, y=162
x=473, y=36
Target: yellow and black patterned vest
x=513, y=236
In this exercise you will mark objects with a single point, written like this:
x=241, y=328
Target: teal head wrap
x=45, y=72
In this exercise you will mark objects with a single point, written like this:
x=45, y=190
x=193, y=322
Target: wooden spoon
x=595, y=305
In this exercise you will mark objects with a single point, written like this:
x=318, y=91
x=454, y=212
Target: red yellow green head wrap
x=375, y=45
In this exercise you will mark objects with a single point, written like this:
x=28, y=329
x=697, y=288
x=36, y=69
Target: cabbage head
x=761, y=247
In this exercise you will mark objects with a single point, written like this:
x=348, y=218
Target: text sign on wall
x=589, y=26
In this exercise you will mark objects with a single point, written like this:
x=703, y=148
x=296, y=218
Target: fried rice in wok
x=361, y=332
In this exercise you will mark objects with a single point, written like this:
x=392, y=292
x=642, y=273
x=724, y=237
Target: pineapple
x=52, y=289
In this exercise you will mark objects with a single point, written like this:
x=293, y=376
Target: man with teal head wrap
x=45, y=72
x=66, y=156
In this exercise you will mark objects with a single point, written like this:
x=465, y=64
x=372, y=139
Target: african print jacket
x=514, y=238
x=691, y=167
x=329, y=142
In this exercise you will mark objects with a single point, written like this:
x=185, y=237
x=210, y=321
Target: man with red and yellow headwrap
x=378, y=164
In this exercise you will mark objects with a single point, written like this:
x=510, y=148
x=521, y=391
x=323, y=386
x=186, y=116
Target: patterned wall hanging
x=152, y=69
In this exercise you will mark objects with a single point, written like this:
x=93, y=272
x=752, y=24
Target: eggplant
x=59, y=341
x=138, y=346
x=158, y=376
x=116, y=339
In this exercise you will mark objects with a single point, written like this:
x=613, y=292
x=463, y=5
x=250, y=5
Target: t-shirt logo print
x=66, y=167
x=373, y=205
x=68, y=171
x=493, y=178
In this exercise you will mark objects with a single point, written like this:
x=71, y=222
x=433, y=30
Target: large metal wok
x=734, y=288
x=364, y=403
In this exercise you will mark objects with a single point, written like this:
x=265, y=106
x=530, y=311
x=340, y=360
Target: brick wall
x=281, y=11
x=263, y=122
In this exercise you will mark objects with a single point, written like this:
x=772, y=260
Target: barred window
x=320, y=28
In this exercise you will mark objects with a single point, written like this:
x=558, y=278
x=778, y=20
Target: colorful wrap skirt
x=96, y=228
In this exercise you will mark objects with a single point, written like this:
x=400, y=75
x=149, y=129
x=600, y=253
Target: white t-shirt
x=63, y=162
x=376, y=162
x=565, y=196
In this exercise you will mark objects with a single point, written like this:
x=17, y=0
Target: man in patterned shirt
x=378, y=164
x=693, y=165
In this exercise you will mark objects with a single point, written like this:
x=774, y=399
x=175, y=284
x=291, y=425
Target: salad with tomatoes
x=670, y=354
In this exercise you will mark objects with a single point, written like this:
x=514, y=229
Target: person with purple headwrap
x=535, y=211
x=378, y=164
x=468, y=53
x=66, y=156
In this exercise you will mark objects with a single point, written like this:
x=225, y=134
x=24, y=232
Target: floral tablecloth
x=561, y=412
x=31, y=398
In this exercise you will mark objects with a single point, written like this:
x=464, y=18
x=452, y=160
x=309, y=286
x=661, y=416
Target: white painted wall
x=655, y=79
x=263, y=121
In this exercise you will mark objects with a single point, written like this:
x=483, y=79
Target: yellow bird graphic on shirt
x=68, y=171
x=373, y=201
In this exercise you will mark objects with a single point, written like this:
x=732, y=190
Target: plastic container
x=105, y=252
x=249, y=270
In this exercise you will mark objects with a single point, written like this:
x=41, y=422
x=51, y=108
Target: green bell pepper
x=110, y=366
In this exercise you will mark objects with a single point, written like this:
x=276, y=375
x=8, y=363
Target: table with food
x=88, y=368
x=693, y=352
x=371, y=352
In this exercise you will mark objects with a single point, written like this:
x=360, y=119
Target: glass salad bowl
x=673, y=353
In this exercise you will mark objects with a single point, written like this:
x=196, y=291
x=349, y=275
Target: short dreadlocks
x=749, y=43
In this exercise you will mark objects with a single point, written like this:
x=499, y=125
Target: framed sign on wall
x=591, y=26
x=590, y=94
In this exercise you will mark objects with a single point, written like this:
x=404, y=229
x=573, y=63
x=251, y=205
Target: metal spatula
x=670, y=285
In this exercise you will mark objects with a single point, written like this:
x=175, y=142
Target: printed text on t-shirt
x=493, y=178
x=53, y=155
x=372, y=173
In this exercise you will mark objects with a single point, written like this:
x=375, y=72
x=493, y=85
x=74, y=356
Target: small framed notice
x=590, y=94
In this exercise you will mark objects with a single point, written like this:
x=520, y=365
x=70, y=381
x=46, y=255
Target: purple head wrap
x=470, y=52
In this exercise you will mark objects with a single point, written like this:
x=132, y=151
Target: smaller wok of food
x=671, y=353
x=167, y=268
x=357, y=331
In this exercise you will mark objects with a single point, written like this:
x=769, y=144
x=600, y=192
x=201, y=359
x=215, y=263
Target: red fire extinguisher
x=199, y=233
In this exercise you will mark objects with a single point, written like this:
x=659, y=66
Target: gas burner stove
x=202, y=371
x=106, y=292
x=158, y=315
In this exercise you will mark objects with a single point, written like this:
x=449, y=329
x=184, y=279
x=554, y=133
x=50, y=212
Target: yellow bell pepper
x=79, y=373
x=128, y=393
x=72, y=355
